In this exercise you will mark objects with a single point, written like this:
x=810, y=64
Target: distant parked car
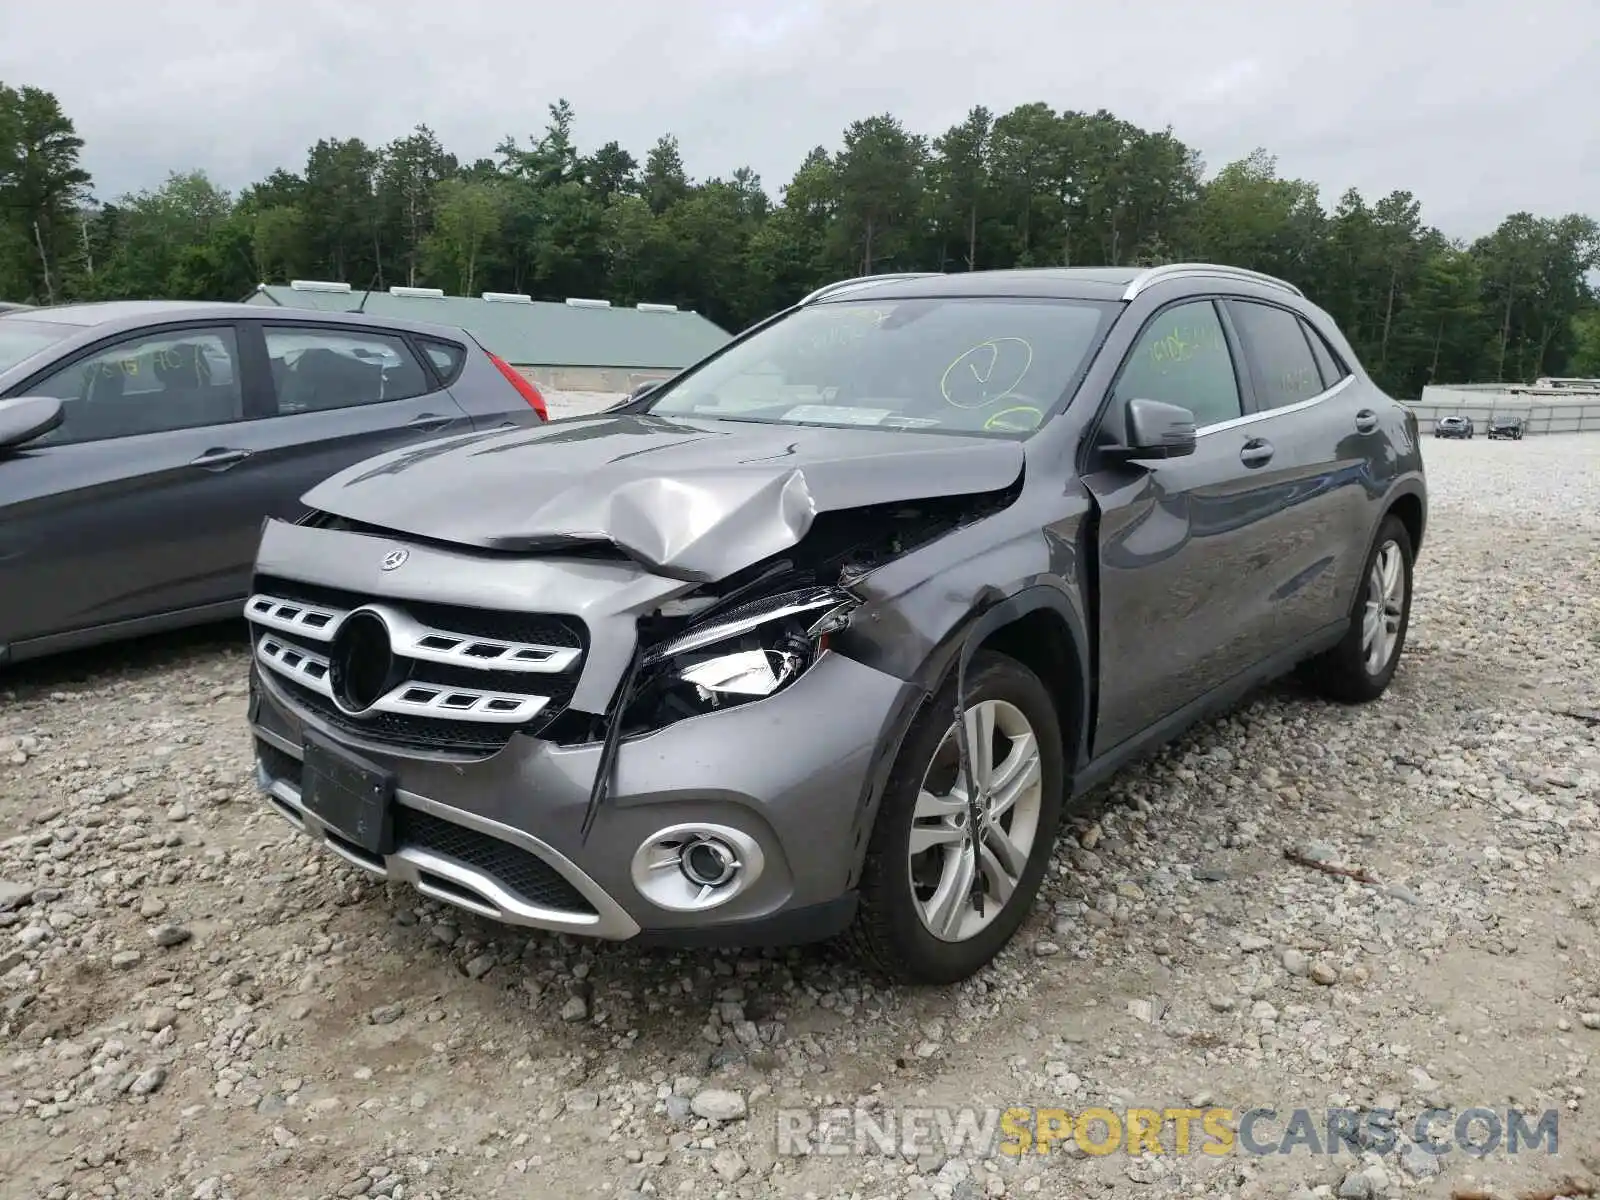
x=142, y=444
x=1506, y=427
x=1453, y=427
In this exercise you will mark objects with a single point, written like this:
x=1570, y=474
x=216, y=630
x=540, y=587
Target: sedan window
x=318, y=369
x=152, y=383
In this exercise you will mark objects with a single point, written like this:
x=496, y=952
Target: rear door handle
x=1366, y=421
x=220, y=460
x=1257, y=452
x=429, y=421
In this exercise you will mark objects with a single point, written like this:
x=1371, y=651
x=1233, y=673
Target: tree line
x=1030, y=187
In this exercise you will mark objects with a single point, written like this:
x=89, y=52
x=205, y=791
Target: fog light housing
x=693, y=867
x=708, y=862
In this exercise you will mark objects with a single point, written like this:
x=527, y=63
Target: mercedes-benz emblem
x=394, y=558
x=362, y=668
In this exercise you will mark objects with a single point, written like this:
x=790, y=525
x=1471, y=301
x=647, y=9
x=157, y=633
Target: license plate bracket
x=353, y=796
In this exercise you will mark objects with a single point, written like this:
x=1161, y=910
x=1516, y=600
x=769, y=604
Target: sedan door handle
x=1366, y=421
x=1257, y=452
x=220, y=460
x=429, y=421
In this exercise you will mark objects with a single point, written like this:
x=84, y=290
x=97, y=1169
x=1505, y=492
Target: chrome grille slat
x=313, y=621
x=307, y=669
x=413, y=639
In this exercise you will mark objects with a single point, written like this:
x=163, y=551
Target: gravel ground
x=196, y=1003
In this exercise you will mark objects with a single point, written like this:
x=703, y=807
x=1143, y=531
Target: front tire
x=917, y=922
x=1359, y=668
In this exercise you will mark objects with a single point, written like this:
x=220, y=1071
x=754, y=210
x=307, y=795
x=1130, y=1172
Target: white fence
x=1543, y=410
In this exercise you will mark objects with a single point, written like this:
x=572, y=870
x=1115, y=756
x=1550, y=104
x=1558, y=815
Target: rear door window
x=314, y=369
x=1282, y=367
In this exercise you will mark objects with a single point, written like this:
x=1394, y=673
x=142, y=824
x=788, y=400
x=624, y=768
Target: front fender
x=931, y=630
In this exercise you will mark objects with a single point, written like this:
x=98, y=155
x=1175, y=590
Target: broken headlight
x=745, y=654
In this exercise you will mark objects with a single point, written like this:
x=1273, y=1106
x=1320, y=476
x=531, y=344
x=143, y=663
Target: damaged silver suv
x=823, y=634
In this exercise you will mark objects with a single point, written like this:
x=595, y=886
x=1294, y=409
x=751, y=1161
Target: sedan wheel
x=952, y=872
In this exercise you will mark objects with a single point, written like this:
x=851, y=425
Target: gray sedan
x=142, y=444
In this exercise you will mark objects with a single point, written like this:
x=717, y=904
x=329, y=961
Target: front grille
x=528, y=875
x=469, y=678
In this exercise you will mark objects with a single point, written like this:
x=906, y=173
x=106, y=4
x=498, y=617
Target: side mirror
x=28, y=417
x=1156, y=430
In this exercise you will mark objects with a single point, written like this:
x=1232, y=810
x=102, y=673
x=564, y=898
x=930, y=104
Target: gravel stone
x=716, y=1104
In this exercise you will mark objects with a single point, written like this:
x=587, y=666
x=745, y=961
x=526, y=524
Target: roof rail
x=842, y=285
x=1216, y=270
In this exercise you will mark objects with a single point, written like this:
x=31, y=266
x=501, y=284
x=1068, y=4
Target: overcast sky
x=1480, y=107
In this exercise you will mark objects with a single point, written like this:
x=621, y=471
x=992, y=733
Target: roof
x=133, y=314
x=530, y=332
x=106, y=311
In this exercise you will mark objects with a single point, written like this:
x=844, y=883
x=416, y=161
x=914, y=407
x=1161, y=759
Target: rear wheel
x=1360, y=667
x=944, y=890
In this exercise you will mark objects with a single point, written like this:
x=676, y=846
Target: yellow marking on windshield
x=1000, y=419
x=985, y=368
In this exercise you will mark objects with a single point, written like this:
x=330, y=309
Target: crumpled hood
x=689, y=499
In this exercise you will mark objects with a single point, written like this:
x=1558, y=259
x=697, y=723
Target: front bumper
x=502, y=836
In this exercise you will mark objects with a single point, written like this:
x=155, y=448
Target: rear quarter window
x=1328, y=363
x=446, y=357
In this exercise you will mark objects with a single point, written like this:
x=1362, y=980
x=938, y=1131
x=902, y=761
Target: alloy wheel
x=1385, y=606
x=947, y=856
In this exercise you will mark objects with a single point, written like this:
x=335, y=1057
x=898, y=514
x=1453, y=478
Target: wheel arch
x=1410, y=506
x=1038, y=627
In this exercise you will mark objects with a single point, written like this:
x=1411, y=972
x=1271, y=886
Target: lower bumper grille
x=529, y=876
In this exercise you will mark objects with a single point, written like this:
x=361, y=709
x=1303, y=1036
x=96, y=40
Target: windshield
x=20, y=339
x=968, y=365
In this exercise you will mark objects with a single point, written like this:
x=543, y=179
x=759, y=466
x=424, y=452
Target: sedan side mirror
x=1156, y=430
x=28, y=417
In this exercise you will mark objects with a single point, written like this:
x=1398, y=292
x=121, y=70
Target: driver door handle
x=1366, y=421
x=428, y=421
x=1257, y=452
x=220, y=459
